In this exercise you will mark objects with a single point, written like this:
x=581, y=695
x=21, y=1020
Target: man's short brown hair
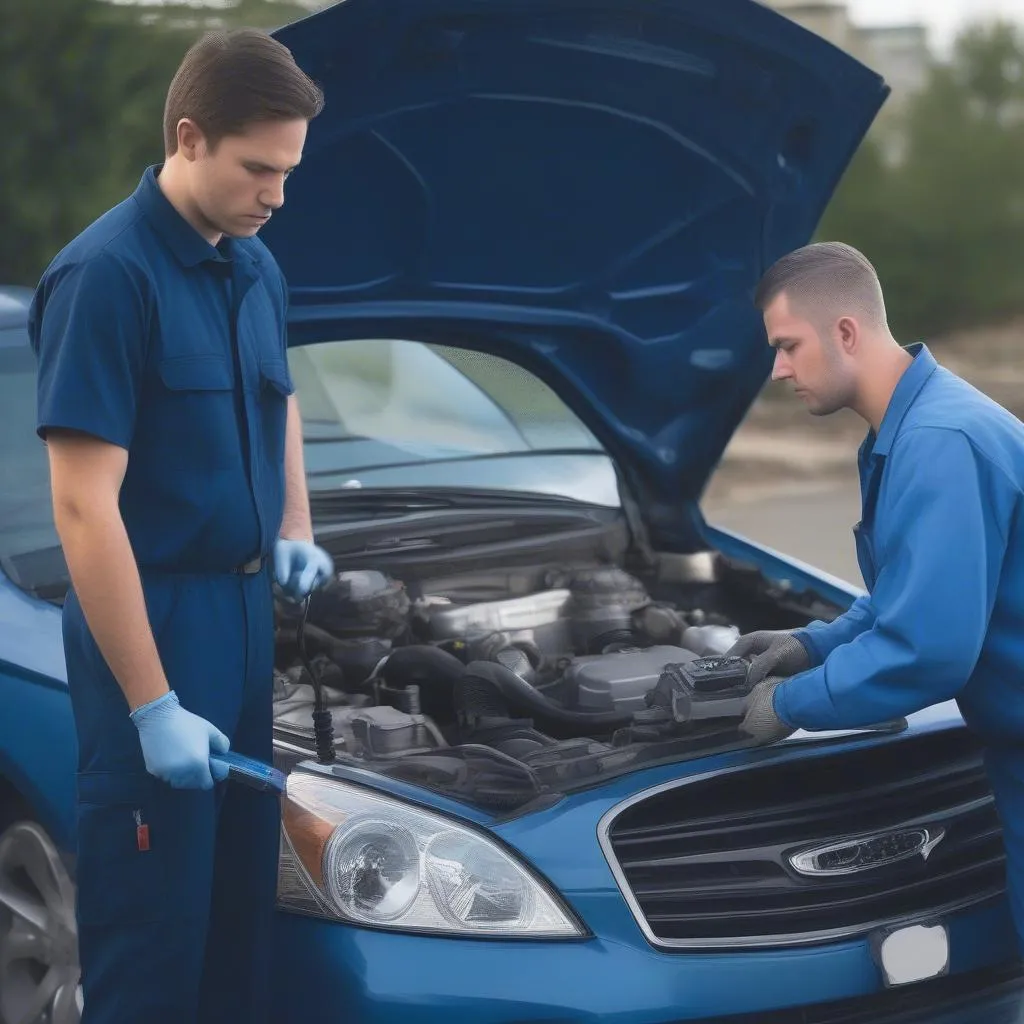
x=824, y=279
x=232, y=79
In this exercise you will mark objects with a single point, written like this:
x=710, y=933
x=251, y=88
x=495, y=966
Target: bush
x=945, y=226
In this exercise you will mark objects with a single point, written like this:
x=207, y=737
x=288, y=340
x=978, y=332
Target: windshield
x=387, y=413
x=377, y=414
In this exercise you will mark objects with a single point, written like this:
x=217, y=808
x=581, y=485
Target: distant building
x=899, y=53
x=829, y=19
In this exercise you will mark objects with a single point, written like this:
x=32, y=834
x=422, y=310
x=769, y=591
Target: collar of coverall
x=908, y=388
x=188, y=246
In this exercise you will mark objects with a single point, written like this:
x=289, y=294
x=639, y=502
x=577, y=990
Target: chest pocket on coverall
x=197, y=397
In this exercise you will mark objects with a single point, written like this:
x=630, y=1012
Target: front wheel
x=39, y=968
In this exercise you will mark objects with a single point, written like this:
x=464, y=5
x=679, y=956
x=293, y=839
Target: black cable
x=323, y=725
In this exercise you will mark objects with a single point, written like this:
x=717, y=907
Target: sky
x=943, y=17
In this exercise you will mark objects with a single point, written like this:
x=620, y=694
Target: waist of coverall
x=1003, y=734
x=255, y=566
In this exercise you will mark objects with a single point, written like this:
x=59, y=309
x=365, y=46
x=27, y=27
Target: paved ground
x=789, y=480
x=812, y=523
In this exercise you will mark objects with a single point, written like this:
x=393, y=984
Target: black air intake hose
x=489, y=690
x=434, y=671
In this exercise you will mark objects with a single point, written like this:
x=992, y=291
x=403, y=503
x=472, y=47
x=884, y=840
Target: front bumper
x=333, y=972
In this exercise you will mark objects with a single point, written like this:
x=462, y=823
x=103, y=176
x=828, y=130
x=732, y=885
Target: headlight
x=367, y=858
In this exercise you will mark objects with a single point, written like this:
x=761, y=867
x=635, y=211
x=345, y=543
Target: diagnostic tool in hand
x=251, y=772
x=707, y=688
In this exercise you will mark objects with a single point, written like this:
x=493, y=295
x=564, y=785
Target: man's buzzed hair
x=826, y=280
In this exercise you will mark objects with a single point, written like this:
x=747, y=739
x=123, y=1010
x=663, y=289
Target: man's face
x=236, y=187
x=809, y=357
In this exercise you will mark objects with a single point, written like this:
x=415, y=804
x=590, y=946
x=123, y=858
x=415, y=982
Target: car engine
x=578, y=669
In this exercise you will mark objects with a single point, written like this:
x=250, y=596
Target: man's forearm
x=296, y=523
x=106, y=579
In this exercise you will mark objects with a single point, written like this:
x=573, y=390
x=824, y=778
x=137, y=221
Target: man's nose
x=781, y=369
x=273, y=198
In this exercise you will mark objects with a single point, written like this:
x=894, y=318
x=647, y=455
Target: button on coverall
x=152, y=339
x=941, y=549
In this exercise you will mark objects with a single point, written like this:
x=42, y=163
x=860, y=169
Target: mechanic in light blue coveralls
x=178, y=486
x=939, y=543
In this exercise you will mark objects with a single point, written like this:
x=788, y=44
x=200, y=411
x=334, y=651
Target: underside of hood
x=591, y=188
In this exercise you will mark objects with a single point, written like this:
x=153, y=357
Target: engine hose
x=486, y=687
x=434, y=671
x=330, y=645
x=323, y=725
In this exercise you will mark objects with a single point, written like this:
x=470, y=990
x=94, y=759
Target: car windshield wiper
x=354, y=501
x=439, y=460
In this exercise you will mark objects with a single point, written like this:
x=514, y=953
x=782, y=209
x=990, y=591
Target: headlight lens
x=372, y=870
x=370, y=859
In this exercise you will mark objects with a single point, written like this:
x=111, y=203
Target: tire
x=39, y=967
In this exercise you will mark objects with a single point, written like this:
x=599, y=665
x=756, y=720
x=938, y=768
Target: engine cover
x=618, y=681
x=538, y=618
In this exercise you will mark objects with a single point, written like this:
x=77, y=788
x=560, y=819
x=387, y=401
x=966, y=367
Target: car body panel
x=632, y=301
x=377, y=978
x=720, y=131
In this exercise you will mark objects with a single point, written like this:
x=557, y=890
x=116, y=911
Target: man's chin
x=820, y=408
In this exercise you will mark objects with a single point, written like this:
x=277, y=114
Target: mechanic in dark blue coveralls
x=178, y=485
x=940, y=541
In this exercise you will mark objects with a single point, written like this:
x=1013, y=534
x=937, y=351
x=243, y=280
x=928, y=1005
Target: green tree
x=84, y=83
x=945, y=225
x=962, y=184
x=81, y=84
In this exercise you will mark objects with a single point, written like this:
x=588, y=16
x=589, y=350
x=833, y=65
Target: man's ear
x=848, y=334
x=190, y=139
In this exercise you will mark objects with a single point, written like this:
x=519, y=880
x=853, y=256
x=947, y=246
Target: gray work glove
x=761, y=722
x=771, y=653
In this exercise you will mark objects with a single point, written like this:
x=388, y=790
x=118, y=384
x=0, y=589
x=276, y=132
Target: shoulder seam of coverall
x=105, y=249
x=135, y=275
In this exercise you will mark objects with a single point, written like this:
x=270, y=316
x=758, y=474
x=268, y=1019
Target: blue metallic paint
x=449, y=185
x=376, y=978
x=626, y=319
x=38, y=749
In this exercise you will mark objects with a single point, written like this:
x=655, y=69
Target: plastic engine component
x=618, y=681
x=602, y=607
x=539, y=618
x=362, y=731
x=710, y=640
x=361, y=603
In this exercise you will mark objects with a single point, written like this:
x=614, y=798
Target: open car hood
x=590, y=188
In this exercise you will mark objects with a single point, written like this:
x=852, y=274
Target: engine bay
x=466, y=686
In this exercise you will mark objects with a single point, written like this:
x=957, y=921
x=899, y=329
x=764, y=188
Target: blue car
x=521, y=248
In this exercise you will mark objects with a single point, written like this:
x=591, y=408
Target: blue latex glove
x=176, y=744
x=300, y=567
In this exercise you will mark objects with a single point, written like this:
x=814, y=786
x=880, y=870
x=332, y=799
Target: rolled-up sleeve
x=88, y=330
x=941, y=531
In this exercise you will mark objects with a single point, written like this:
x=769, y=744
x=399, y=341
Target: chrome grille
x=708, y=862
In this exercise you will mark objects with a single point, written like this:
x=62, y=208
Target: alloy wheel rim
x=39, y=968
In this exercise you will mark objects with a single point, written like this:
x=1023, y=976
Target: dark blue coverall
x=941, y=549
x=154, y=340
